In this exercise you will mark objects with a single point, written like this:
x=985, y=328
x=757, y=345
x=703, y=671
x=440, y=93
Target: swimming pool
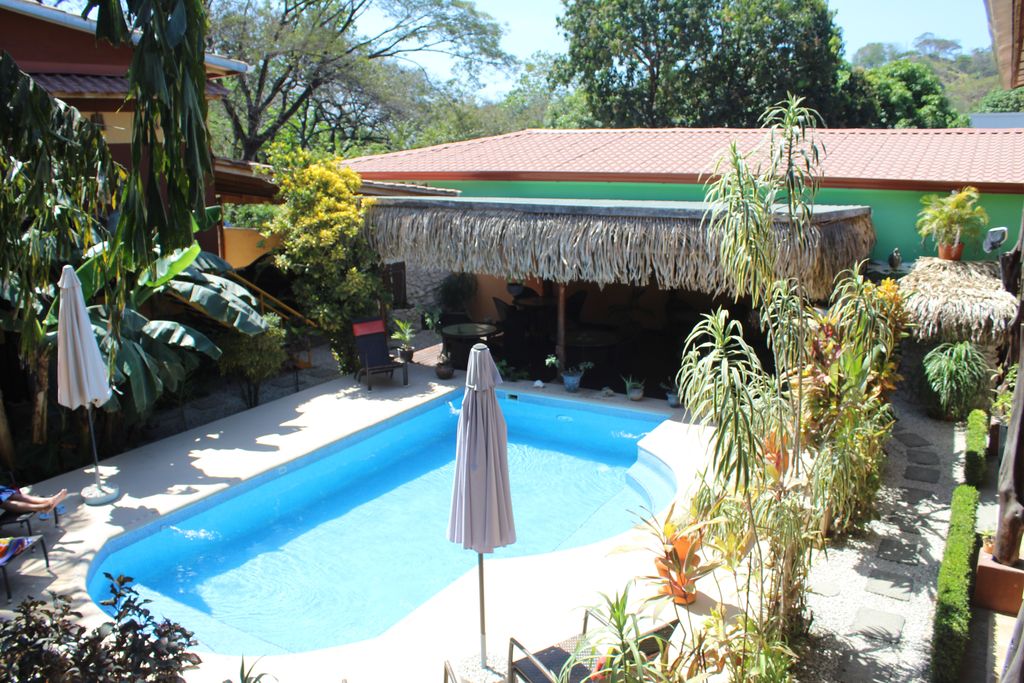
x=339, y=545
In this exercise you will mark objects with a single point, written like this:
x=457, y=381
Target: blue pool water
x=338, y=546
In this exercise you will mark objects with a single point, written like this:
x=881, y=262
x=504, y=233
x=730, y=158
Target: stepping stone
x=827, y=589
x=923, y=456
x=906, y=523
x=904, y=552
x=877, y=624
x=915, y=496
x=912, y=440
x=891, y=585
x=929, y=475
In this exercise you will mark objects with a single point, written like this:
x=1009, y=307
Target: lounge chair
x=8, y=517
x=546, y=665
x=374, y=356
x=11, y=548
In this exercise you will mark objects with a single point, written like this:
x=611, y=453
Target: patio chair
x=372, y=348
x=502, y=308
x=11, y=548
x=546, y=665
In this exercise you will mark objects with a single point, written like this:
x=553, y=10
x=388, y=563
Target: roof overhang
x=86, y=86
x=216, y=66
x=909, y=184
x=602, y=241
x=1006, y=24
x=243, y=182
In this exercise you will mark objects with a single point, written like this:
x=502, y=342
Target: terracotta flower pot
x=951, y=252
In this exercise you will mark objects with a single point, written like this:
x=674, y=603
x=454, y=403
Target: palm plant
x=958, y=373
x=949, y=218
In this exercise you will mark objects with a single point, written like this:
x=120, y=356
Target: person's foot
x=56, y=499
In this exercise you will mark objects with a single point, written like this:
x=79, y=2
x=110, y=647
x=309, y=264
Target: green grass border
x=977, y=448
x=953, y=597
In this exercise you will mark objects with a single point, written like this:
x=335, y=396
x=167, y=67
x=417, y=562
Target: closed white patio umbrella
x=81, y=373
x=481, y=514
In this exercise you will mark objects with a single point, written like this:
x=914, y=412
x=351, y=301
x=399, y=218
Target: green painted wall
x=894, y=212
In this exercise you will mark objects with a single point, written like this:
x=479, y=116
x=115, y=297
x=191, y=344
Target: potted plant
x=403, y=334
x=444, y=368
x=948, y=219
x=634, y=388
x=671, y=388
x=957, y=374
x=572, y=375
x=679, y=566
x=988, y=540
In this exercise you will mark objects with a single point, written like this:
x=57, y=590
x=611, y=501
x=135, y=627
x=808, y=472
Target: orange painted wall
x=242, y=246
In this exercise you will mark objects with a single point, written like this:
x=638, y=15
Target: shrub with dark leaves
x=43, y=642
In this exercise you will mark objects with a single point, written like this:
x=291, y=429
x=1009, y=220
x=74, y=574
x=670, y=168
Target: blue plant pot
x=571, y=382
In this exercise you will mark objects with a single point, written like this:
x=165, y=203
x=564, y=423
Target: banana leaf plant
x=146, y=356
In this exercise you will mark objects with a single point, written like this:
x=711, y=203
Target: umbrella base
x=100, y=494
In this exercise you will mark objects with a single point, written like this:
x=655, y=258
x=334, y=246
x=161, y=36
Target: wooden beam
x=560, y=339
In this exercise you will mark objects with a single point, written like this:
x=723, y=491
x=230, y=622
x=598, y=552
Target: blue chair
x=374, y=355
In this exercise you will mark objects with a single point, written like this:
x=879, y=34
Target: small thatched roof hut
x=958, y=300
x=602, y=241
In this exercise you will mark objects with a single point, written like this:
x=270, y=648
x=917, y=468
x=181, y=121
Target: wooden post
x=1011, y=468
x=560, y=338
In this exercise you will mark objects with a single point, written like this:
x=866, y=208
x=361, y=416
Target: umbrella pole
x=95, y=458
x=483, y=630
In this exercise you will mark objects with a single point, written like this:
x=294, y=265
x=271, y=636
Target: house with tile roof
x=59, y=50
x=887, y=170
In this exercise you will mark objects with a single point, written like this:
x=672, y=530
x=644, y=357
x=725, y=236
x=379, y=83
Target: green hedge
x=953, y=601
x=977, y=446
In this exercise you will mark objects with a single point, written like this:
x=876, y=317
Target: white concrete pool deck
x=537, y=599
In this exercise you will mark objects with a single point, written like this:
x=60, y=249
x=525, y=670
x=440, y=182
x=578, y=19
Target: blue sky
x=530, y=26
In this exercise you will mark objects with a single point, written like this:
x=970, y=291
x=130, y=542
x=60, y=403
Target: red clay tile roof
x=912, y=159
x=80, y=85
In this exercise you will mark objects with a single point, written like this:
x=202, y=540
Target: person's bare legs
x=21, y=502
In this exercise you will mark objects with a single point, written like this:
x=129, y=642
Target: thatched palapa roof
x=629, y=242
x=958, y=300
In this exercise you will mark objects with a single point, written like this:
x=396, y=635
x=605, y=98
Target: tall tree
x=699, y=62
x=1003, y=101
x=909, y=95
x=301, y=48
x=876, y=54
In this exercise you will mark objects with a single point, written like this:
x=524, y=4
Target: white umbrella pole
x=98, y=493
x=483, y=629
x=92, y=438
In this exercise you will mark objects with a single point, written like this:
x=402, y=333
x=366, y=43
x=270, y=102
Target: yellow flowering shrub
x=336, y=276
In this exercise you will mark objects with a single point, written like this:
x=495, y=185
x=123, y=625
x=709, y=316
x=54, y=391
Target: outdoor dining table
x=459, y=339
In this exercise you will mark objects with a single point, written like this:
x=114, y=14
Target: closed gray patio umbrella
x=481, y=515
x=81, y=373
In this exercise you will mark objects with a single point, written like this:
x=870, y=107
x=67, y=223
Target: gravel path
x=873, y=595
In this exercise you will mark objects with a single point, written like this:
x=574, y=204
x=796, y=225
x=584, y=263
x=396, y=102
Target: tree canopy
x=909, y=95
x=699, y=62
x=1003, y=101
x=312, y=59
